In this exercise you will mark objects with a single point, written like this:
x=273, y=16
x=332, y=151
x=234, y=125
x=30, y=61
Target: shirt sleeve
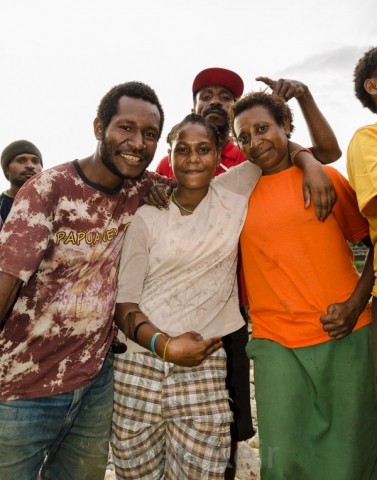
x=240, y=179
x=346, y=211
x=134, y=262
x=25, y=235
x=362, y=168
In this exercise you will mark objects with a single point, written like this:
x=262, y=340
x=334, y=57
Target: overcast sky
x=58, y=59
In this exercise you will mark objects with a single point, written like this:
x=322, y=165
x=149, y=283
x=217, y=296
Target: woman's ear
x=287, y=127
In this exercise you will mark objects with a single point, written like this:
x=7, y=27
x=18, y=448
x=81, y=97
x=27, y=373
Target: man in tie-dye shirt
x=59, y=255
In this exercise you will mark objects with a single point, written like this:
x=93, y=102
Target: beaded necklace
x=179, y=205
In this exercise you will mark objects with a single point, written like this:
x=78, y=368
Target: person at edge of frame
x=361, y=164
x=20, y=160
x=59, y=256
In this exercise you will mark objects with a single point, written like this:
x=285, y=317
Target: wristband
x=153, y=340
x=166, y=346
x=137, y=329
x=297, y=151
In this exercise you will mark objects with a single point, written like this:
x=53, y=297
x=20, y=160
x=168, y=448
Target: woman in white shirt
x=177, y=297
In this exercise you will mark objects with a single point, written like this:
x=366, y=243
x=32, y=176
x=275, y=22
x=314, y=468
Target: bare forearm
x=137, y=326
x=325, y=144
x=340, y=318
x=362, y=293
x=128, y=316
x=188, y=349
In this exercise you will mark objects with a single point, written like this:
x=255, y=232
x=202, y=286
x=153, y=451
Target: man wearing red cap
x=214, y=91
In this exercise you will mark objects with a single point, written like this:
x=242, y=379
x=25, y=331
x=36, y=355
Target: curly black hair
x=108, y=106
x=194, y=118
x=278, y=108
x=366, y=68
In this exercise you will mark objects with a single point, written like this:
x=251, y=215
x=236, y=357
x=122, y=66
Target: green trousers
x=317, y=410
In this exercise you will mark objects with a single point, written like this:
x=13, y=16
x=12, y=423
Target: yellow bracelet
x=166, y=346
x=297, y=151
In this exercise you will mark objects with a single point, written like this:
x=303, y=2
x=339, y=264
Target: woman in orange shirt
x=317, y=414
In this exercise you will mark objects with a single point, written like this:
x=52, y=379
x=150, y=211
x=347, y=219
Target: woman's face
x=262, y=140
x=194, y=156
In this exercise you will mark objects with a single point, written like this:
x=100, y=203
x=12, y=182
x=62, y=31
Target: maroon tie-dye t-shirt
x=63, y=239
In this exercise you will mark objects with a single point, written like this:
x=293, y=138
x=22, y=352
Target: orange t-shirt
x=294, y=265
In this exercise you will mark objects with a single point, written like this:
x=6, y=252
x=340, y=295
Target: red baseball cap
x=218, y=76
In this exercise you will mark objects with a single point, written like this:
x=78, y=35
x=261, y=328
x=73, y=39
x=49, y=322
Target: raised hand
x=285, y=88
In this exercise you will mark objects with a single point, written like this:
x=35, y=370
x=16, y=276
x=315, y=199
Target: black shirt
x=6, y=203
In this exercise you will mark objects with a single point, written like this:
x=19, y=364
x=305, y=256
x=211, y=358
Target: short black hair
x=194, y=118
x=108, y=106
x=366, y=68
x=278, y=108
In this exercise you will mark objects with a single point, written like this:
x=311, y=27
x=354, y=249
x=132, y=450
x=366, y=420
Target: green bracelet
x=153, y=340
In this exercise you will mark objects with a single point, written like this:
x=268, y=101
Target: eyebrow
x=194, y=142
x=24, y=155
x=134, y=122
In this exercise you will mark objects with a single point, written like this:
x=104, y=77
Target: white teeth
x=131, y=158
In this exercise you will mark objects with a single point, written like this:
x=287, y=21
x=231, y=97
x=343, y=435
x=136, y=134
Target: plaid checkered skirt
x=170, y=422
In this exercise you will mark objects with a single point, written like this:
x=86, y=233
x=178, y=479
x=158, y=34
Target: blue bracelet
x=153, y=340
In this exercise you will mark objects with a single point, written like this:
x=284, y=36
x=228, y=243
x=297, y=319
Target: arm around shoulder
x=240, y=179
x=317, y=186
